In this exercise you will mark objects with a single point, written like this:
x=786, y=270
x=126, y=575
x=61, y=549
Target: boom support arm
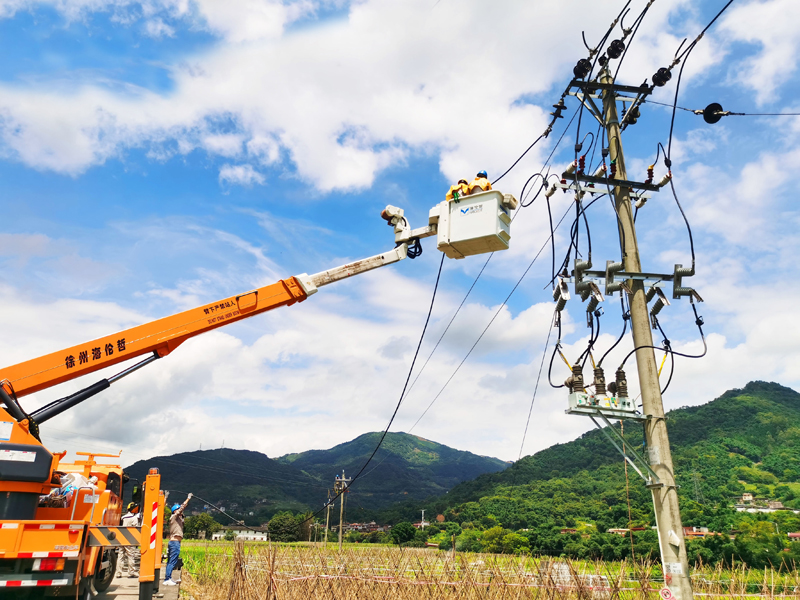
x=162, y=336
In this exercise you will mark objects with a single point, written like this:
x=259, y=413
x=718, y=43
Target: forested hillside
x=406, y=466
x=244, y=482
x=745, y=440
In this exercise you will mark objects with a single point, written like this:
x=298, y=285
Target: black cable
x=591, y=341
x=683, y=57
x=408, y=378
x=550, y=369
x=399, y=402
x=552, y=242
x=215, y=507
x=635, y=28
x=680, y=208
x=453, y=318
x=666, y=343
x=698, y=321
x=625, y=316
x=480, y=337
x=552, y=357
x=536, y=387
x=520, y=157
x=594, y=341
x=565, y=263
x=613, y=204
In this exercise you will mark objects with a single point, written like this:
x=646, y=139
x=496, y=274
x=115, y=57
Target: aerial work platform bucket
x=477, y=224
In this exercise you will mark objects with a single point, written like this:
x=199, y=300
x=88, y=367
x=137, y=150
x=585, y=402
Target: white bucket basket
x=479, y=223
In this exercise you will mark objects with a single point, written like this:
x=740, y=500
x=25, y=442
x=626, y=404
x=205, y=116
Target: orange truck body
x=70, y=551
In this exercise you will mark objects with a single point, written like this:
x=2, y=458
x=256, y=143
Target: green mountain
x=244, y=482
x=241, y=481
x=745, y=440
x=406, y=467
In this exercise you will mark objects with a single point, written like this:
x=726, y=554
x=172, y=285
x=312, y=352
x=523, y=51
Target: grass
x=239, y=571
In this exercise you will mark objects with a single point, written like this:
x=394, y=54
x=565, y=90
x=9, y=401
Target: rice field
x=245, y=571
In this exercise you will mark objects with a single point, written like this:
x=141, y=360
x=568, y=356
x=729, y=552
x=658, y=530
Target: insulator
x=641, y=202
x=593, y=302
x=549, y=193
x=657, y=307
x=558, y=108
x=622, y=384
x=577, y=379
x=581, y=163
x=613, y=169
x=712, y=113
x=665, y=179
x=599, y=382
x=570, y=169
x=600, y=171
x=582, y=69
x=661, y=77
x=632, y=116
x=561, y=303
x=615, y=49
x=603, y=60
x=650, y=174
x=651, y=293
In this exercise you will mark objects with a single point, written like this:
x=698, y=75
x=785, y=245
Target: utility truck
x=56, y=541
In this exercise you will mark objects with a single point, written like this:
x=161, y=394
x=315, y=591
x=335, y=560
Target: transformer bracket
x=629, y=454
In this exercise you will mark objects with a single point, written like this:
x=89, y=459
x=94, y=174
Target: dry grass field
x=237, y=571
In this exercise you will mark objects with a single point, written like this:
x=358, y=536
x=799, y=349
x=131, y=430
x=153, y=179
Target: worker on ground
x=458, y=191
x=129, y=555
x=480, y=183
x=175, y=537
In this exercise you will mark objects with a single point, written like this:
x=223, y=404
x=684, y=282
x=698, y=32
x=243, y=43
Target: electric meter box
x=477, y=224
x=581, y=403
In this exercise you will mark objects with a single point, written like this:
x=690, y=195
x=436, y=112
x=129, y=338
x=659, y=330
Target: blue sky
x=158, y=155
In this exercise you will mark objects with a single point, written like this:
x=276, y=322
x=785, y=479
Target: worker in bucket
x=458, y=191
x=129, y=555
x=175, y=537
x=480, y=183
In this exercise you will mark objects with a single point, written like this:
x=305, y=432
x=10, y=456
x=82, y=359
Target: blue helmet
x=175, y=507
x=482, y=174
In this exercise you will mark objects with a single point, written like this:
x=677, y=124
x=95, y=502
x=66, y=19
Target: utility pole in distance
x=674, y=559
x=340, y=486
x=327, y=518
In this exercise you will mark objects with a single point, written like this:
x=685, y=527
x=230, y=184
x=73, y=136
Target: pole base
x=157, y=579
x=146, y=590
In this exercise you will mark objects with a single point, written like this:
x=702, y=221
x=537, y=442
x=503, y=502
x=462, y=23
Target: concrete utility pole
x=665, y=495
x=327, y=520
x=340, y=486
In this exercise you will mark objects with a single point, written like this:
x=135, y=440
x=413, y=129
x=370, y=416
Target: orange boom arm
x=160, y=337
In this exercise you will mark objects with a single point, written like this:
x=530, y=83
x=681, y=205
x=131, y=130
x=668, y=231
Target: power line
x=727, y=113
x=536, y=387
x=519, y=281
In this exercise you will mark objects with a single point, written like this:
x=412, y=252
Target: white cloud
x=772, y=26
x=156, y=28
x=342, y=101
x=240, y=175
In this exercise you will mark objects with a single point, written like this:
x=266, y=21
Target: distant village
x=747, y=503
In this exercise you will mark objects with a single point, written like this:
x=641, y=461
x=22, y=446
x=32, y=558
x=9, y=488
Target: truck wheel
x=104, y=576
x=85, y=588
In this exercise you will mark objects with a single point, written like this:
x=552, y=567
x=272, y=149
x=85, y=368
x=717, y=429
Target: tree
x=203, y=522
x=403, y=533
x=284, y=527
x=229, y=535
